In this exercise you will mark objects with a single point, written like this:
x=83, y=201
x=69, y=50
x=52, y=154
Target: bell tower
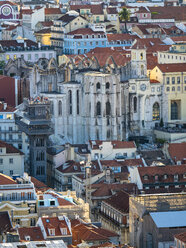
x=138, y=61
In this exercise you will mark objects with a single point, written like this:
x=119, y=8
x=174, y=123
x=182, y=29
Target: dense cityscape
x=93, y=123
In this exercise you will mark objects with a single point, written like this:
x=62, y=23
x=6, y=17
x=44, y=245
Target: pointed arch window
x=70, y=101
x=98, y=86
x=156, y=112
x=108, y=108
x=98, y=108
x=77, y=97
x=135, y=104
x=60, y=108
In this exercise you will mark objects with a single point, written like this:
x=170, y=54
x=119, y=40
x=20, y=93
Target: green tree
x=124, y=15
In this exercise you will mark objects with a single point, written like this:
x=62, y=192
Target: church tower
x=138, y=61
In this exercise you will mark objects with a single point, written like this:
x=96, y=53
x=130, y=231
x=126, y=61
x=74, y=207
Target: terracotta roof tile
x=34, y=233
x=84, y=31
x=96, y=9
x=119, y=201
x=177, y=151
x=181, y=237
x=115, y=143
x=169, y=171
x=121, y=37
x=6, y=180
x=178, y=67
x=44, y=31
x=112, y=11
x=52, y=11
x=169, y=12
x=5, y=222
x=55, y=223
x=10, y=148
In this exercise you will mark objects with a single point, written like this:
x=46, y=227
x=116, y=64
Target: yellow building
x=18, y=197
x=173, y=80
x=43, y=36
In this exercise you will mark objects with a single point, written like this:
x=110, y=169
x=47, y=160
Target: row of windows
x=175, y=80
x=174, y=88
x=91, y=43
x=173, y=57
x=29, y=56
x=11, y=160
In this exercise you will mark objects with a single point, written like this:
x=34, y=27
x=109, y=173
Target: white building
x=11, y=160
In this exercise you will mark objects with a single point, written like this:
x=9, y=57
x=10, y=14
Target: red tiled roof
x=142, y=10
x=169, y=170
x=119, y=201
x=52, y=11
x=7, y=109
x=87, y=232
x=178, y=39
x=84, y=31
x=124, y=163
x=55, y=223
x=177, y=151
x=47, y=23
x=8, y=2
x=5, y=222
x=95, y=9
x=178, y=67
x=34, y=233
x=4, y=180
x=153, y=81
x=112, y=11
x=121, y=37
x=10, y=148
x=106, y=190
x=181, y=237
x=39, y=186
x=169, y=12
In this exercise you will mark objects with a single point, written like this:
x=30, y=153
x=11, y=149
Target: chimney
x=4, y=106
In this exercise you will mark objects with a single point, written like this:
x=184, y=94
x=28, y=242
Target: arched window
x=98, y=108
x=174, y=111
x=108, y=108
x=107, y=85
x=142, y=70
x=141, y=56
x=98, y=86
x=135, y=104
x=59, y=108
x=70, y=101
x=77, y=102
x=156, y=112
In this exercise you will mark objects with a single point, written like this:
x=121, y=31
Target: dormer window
x=176, y=177
x=63, y=231
x=52, y=203
x=27, y=238
x=51, y=232
x=165, y=176
x=146, y=177
x=184, y=175
x=156, y=178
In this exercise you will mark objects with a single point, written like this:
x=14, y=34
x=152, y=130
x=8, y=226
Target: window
x=176, y=177
x=173, y=80
x=60, y=108
x=174, y=110
x=40, y=170
x=156, y=177
x=10, y=136
x=135, y=104
x=19, y=146
x=178, y=80
x=185, y=79
x=1, y=161
x=63, y=231
x=10, y=128
x=108, y=108
x=9, y=116
x=11, y=172
x=98, y=108
x=107, y=85
x=29, y=56
x=40, y=156
x=178, y=88
x=98, y=86
x=51, y=232
x=142, y=70
x=152, y=89
x=36, y=56
x=156, y=112
x=41, y=203
x=168, y=88
x=77, y=98
x=11, y=161
x=165, y=176
x=52, y=203
x=70, y=101
x=1, y=150
x=173, y=88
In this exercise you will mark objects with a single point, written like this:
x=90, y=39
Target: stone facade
x=108, y=102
